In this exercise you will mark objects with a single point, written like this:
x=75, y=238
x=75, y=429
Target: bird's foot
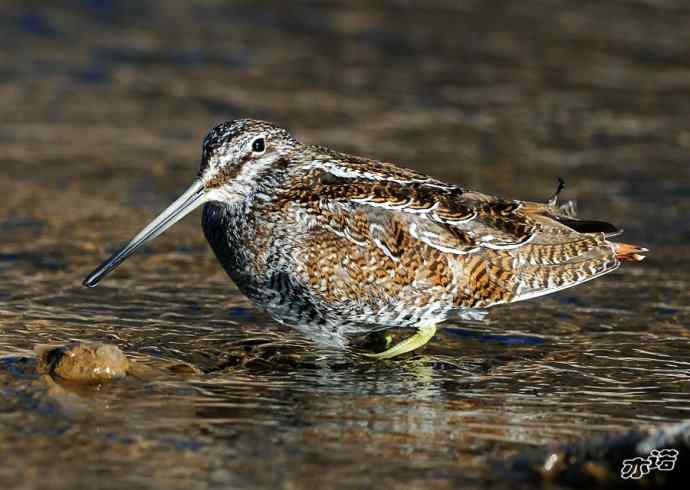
x=422, y=336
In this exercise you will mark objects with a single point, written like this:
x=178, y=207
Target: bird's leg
x=422, y=336
x=377, y=341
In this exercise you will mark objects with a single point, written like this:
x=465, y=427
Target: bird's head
x=235, y=156
x=236, y=153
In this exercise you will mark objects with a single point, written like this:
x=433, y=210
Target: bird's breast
x=250, y=247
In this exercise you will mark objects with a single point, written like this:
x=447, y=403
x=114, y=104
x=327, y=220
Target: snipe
x=338, y=245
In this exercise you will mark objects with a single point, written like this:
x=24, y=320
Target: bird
x=339, y=246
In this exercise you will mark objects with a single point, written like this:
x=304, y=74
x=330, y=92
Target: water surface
x=105, y=105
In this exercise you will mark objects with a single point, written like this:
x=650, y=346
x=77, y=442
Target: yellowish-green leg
x=423, y=335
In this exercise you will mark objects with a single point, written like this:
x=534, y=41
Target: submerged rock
x=86, y=362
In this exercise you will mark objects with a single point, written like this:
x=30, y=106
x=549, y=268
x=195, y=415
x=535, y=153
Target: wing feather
x=507, y=250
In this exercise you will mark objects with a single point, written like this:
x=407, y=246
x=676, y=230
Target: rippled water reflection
x=107, y=109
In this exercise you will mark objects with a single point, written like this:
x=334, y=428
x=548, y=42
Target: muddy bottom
x=105, y=108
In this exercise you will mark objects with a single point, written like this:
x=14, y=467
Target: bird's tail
x=629, y=253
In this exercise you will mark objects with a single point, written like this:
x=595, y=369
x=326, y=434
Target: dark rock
x=599, y=462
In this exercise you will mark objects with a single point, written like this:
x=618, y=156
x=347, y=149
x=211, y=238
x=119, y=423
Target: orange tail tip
x=627, y=252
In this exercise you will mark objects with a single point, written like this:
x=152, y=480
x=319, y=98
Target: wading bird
x=337, y=245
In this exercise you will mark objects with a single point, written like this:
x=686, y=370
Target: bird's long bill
x=185, y=204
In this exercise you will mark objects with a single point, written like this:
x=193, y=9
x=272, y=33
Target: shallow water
x=105, y=107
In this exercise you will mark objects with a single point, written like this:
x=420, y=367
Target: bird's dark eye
x=258, y=145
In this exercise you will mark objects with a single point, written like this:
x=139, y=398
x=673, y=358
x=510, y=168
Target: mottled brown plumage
x=336, y=245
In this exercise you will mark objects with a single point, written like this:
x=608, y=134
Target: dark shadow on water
x=500, y=339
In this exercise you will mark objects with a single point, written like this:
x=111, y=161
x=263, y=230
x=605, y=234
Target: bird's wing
x=509, y=250
x=440, y=215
